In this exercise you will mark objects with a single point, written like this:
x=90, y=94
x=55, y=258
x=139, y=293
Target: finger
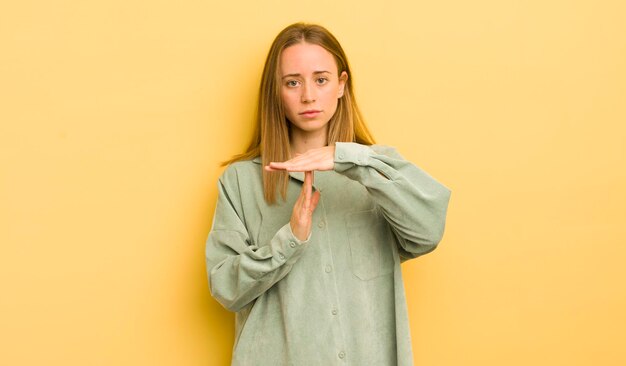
x=274, y=166
x=299, y=166
x=284, y=164
x=298, y=207
x=298, y=161
x=307, y=187
x=302, y=195
x=314, y=159
x=315, y=198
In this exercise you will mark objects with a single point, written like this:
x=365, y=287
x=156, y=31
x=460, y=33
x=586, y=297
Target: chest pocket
x=371, y=251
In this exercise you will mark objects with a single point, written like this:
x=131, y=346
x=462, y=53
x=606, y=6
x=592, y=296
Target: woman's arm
x=414, y=203
x=239, y=270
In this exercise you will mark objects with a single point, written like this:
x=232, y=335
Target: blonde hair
x=270, y=139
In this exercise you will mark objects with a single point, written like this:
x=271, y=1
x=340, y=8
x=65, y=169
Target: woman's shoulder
x=235, y=171
x=245, y=163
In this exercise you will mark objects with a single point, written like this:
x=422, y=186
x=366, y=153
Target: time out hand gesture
x=314, y=159
x=302, y=214
x=322, y=158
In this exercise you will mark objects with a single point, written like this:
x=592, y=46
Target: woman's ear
x=342, y=83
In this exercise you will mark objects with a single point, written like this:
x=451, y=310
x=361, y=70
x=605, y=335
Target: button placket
x=330, y=280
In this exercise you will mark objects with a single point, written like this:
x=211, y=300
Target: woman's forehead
x=306, y=58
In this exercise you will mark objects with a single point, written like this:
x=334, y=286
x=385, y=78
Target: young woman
x=314, y=275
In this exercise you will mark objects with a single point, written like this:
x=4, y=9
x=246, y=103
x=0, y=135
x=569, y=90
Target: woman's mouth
x=310, y=113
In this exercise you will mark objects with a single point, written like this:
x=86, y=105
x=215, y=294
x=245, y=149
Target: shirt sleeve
x=239, y=270
x=413, y=203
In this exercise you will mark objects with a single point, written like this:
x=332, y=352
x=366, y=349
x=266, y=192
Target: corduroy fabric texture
x=338, y=297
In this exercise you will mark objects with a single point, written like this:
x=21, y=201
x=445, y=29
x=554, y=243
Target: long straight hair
x=270, y=139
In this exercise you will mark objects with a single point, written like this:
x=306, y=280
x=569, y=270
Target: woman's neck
x=302, y=141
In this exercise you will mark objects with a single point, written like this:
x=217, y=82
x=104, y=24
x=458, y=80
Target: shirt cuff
x=288, y=246
x=349, y=153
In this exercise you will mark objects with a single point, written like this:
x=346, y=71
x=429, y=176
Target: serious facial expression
x=310, y=86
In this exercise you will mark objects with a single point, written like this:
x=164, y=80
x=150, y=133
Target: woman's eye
x=292, y=83
x=322, y=81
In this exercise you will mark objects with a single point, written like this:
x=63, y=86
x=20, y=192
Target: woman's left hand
x=322, y=158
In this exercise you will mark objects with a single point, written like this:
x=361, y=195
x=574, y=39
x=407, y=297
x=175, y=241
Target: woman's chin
x=309, y=126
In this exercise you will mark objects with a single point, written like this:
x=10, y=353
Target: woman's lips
x=310, y=114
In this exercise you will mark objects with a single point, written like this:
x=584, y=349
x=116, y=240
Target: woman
x=314, y=275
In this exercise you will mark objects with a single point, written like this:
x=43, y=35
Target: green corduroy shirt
x=336, y=298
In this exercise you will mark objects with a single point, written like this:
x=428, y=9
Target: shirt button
x=281, y=256
x=328, y=268
x=342, y=354
x=292, y=244
x=334, y=311
x=321, y=224
x=340, y=156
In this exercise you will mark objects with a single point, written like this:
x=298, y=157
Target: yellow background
x=115, y=114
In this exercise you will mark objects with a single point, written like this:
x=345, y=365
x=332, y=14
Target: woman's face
x=310, y=86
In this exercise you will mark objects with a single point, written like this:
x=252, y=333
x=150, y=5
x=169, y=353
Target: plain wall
x=115, y=114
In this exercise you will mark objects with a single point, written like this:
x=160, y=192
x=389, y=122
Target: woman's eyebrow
x=314, y=73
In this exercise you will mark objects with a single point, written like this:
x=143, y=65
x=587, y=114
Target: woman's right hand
x=302, y=214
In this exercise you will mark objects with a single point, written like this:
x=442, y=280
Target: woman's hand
x=322, y=158
x=302, y=214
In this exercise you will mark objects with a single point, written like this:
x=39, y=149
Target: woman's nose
x=307, y=94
